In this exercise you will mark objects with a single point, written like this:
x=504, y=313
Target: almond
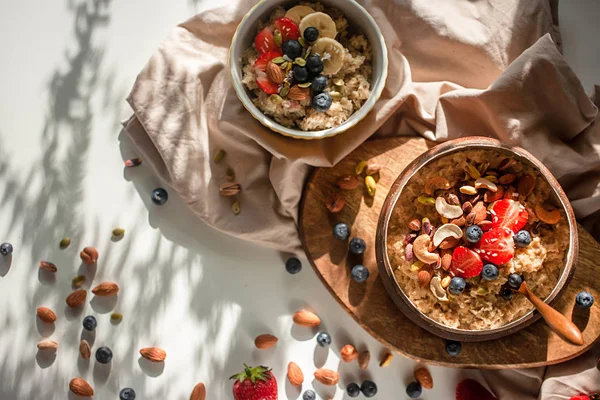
x=199, y=392
x=154, y=354
x=348, y=353
x=525, y=185
x=48, y=266
x=335, y=203
x=327, y=377
x=485, y=225
x=47, y=344
x=448, y=243
x=386, y=360
x=510, y=192
x=106, y=289
x=85, y=350
x=76, y=298
x=265, y=341
x=295, y=375
x=306, y=318
x=480, y=212
x=490, y=197
x=80, y=387
x=298, y=93
x=446, y=259
x=507, y=179
x=363, y=359
x=414, y=225
x=275, y=73
x=46, y=314
x=229, y=189
x=373, y=168
x=460, y=221
x=347, y=182
x=423, y=376
x=89, y=255
x=423, y=277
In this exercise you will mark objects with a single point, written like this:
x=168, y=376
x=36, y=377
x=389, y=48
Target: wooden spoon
x=560, y=324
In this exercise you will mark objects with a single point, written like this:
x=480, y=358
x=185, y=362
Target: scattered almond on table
x=47, y=344
x=77, y=298
x=265, y=341
x=80, y=387
x=306, y=318
x=48, y=266
x=199, y=392
x=363, y=359
x=327, y=377
x=85, y=349
x=47, y=315
x=154, y=354
x=89, y=255
x=295, y=375
x=106, y=289
x=348, y=353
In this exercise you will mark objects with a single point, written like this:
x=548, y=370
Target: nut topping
x=447, y=210
x=445, y=231
x=436, y=183
x=420, y=251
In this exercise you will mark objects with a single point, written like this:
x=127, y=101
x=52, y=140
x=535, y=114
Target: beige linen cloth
x=456, y=68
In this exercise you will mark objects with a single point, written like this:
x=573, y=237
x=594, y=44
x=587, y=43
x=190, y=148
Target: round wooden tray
x=368, y=303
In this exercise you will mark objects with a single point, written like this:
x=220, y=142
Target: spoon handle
x=560, y=324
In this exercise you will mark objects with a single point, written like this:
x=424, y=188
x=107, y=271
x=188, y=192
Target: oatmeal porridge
x=467, y=229
x=308, y=68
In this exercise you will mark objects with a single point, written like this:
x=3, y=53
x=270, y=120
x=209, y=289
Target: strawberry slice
x=580, y=397
x=264, y=41
x=509, y=214
x=465, y=263
x=261, y=62
x=497, y=246
x=469, y=389
x=289, y=29
x=260, y=67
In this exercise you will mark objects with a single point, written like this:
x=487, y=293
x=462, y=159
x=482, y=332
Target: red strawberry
x=289, y=29
x=465, y=263
x=260, y=66
x=580, y=397
x=469, y=389
x=264, y=41
x=509, y=214
x=497, y=246
x=262, y=60
x=255, y=383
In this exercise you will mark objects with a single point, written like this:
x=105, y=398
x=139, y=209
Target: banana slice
x=298, y=12
x=322, y=22
x=331, y=53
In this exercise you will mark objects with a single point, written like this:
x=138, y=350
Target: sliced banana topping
x=331, y=53
x=298, y=12
x=322, y=22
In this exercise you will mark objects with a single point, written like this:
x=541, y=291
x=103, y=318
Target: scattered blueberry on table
x=309, y=395
x=90, y=323
x=584, y=299
x=6, y=249
x=522, y=238
x=360, y=273
x=457, y=285
x=357, y=246
x=341, y=231
x=323, y=339
x=353, y=390
x=292, y=49
x=293, y=265
x=319, y=83
x=368, y=388
x=473, y=234
x=490, y=272
x=322, y=102
x=453, y=348
x=160, y=196
x=311, y=34
x=506, y=293
x=514, y=281
x=127, y=394
x=413, y=390
x=103, y=355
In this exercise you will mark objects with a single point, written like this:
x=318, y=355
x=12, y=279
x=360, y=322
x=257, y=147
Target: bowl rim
x=389, y=280
x=266, y=121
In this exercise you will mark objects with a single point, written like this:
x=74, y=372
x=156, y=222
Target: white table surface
x=198, y=294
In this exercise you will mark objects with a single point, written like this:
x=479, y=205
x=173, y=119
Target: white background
x=202, y=296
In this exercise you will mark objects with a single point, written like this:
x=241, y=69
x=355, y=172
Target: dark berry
x=453, y=348
x=413, y=390
x=103, y=355
x=6, y=249
x=160, y=196
x=457, y=285
x=341, y=231
x=506, y=293
x=473, y=234
x=322, y=102
x=323, y=339
x=353, y=390
x=89, y=323
x=319, y=83
x=490, y=272
x=293, y=265
x=300, y=74
x=368, y=388
x=360, y=273
x=584, y=299
x=357, y=246
x=127, y=394
x=309, y=395
x=311, y=34
x=314, y=65
x=522, y=238
x=514, y=281
x=292, y=49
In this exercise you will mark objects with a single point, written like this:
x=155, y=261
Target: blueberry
x=357, y=246
x=453, y=348
x=127, y=394
x=584, y=299
x=514, y=281
x=292, y=49
x=368, y=388
x=314, y=65
x=103, y=355
x=293, y=265
x=341, y=231
x=353, y=390
x=360, y=273
x=522, y=238
x=322, y=102
x=309, y=395
x=160, y=196
x=473, y=234
x=311, y=34
x=506, y=293
x=457, y=285
x=89, y=323
x=413, y=390
x=319, y=83
x=300, y=74
x=490, y=272
x=323, y=339
x=6, y=249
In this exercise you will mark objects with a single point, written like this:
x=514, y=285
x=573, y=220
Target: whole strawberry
x=593, y=396
x=469, y=389
x=255, y=383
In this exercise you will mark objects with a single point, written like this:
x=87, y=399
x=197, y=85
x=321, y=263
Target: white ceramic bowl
x=358, y=19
